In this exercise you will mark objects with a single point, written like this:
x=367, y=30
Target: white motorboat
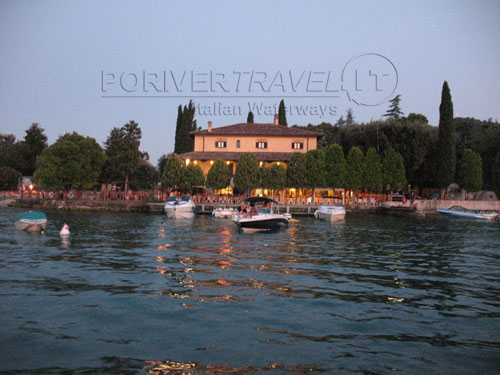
x=180, y=208
x=222, y=212
x=260, y=219
x=330, y=213
x=461, y=212
x=31, y=221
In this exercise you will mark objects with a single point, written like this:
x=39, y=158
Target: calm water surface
x=141, y=294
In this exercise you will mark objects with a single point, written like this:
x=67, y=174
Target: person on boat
x=253, y=210
x=243, y=208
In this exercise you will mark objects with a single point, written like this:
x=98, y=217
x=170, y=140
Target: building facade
x=270, y=143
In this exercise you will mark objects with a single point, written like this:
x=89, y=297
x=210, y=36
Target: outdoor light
x=195, y=162
x=211, y=162
x=227, y=162
x=260, y=164
x=278, y=163
x=187, y=161
x=31, y=186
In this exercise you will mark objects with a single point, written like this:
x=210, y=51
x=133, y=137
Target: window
x=261, y=145
x=238, y=143
x=220, y=144
x=297, y=145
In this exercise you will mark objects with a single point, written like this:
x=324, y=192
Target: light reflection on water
x=141, y=294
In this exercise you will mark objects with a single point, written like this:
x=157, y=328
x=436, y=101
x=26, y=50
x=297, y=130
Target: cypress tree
x=250, y=117
x=185, y=124
x=178, y=131
x=282, y=114
x=447, y=139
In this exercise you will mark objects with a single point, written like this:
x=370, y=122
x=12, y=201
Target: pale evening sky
x=73, y=65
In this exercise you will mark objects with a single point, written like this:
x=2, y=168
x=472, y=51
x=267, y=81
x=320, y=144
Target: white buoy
x=65, y=230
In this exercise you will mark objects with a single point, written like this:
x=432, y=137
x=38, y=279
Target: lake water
x=141, y=294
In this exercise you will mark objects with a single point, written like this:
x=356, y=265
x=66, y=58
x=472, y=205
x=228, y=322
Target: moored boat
x=463, y=213
x=223, y=212
x=330, y=213
x=31, y=221
x=261, y=218
x=180, y=208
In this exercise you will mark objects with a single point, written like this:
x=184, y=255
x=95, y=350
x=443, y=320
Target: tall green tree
x=36, y=142
x=447, y=139
x=394, y=112
x=173, y=172
x=122, y=149
x=282, y=114
x=273, y=177
x=372, y=171
x=315, y=170
x=349, y=119
x=496, y=173
x=219, y=176
x=470, y=171
x=72, y=162
x=192, y=177
x=393, y=169
x=417, y=117
x=355, y=160
x=9, y=179
x=296, y=171
x=145, y=176
x=250, y=117
x=336, y=166
x=161, y=164
x=247, y=175
x=185, y=124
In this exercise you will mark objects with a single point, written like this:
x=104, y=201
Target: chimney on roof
x=276, y=120
x=209, y=126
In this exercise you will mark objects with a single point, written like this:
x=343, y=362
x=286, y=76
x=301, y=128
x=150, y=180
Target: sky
x=89, y=66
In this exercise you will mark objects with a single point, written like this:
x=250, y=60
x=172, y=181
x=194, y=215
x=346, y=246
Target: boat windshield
x=172, y=198
x=185, y=198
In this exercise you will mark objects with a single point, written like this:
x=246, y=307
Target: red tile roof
x=235, y=156
x=257, y=130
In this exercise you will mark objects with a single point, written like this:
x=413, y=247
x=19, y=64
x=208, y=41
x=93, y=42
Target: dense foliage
x=296, y=171
x=219, y=175
x=72, y=162
x=470, y=171
x=336, y=167
x=273, y=177
x=9, y=178
x=393, y=170
x=173, y=172
x=372, y=171
x=247, y=175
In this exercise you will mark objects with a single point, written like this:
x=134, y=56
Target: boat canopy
x=260, y=200
x=32, y=215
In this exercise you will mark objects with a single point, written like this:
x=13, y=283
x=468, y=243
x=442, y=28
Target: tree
x=219, y=176
x=496, y=173
x=161, y=164
x=417, y=117
x=296, y=171
x=185, y=124
x=122, y=149
x=145, y=176
x=9, y=179
x=394, y=112
x=355, y=159
x=447, y=139
x=282, y=114
x=192, y=177
x=349, y=119
x=173, y=172
x=72, y=162
x=273, y=177
x=36, y=142
x=250, y=117
x=336, y=166
x=393, y=169
x=470, y=172
x=372, y=171
x=315, y=169
x=246, y=176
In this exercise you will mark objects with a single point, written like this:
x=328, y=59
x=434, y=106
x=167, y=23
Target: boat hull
x=266, y=222
x=179, y=212
x=467, y=215
x=328, y=213
x=31, y=225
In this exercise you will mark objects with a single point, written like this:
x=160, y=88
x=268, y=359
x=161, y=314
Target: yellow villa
x=270, y=143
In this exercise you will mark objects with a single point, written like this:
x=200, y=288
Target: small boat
x=222, y=212
x=262, y=218
x=461, y=212
x=31, y=221
x=180, y=208
x=331, y=213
